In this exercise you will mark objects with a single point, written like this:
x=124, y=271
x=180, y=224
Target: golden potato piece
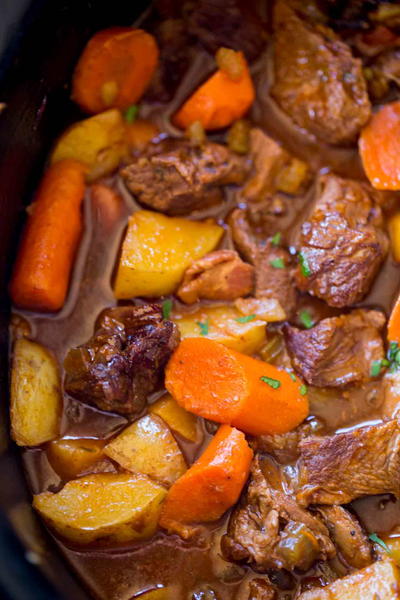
x=224, y=324
x=157, y=250
x=36, y=402
x=380, y=580
x=114, y=507
x=266, y=309
x=99, y=142
x=177, y=418
x=394, y=232
x=70, y=458
x=148, y=446
x=162, y=593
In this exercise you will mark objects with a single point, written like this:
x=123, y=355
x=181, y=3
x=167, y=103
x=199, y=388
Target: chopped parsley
x=204, y=327
x=166, y=308
x=306, y=319
x=277, y=263
x=276, y=239
x=292, y=376
x=375, y=538
x=245, y=319
x=304, y=266
x=131, y=113
x=274, y=383
x=303, y=390
x=376, y=367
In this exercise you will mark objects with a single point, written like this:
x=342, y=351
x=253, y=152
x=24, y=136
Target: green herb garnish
x=274, y=383
x=375, y=538
x=276, y=239
x=131, y=113
x=292, y=376
x=277, y=263
x=166, y=308
x=245, y=319
x=204, y=327
x=375, y=368
x=303, y=390
x=304, y=266
x=306, y=319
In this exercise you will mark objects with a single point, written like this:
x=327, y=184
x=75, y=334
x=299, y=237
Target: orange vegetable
x=393, y=329
x=220, y=101
x=223, y=385
x=212, y=484
x=140, y=133
x=114, y=69
x=50, y=240
x=380, y=148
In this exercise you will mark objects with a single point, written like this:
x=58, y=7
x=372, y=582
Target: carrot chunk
x=50, y=240
x=223, y=385
x=379, y=146
x=114, y=69
x=225, y=97
x=393, y=329
x=212, y=484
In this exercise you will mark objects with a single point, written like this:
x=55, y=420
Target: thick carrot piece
x=379, y=146
x=50, y=240
x=219, y=102
x=393, y=329
x=223, y=385
x=212, y=484
x=114, y=69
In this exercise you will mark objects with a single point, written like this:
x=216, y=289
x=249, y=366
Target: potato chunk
x=114, y=507
x=99, y=142
x=70, y=458
x=380, y=580
x=35, y=394
x=177, y=418
x=157, y=250
x=148, y=446
x=224, y=324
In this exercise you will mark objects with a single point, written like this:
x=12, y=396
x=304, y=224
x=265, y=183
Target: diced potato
x=177, y=418
x=99, y=142
x=292, y=177
x=70, y=458
x=157, y=250
x=220, y=323
x=394, y=232
x=393, y=543
x=140, y=133
x=380, y=580
x=35, y=394
x=148, y=446
x=163, y=593
x=267, y=309
x=114, y=507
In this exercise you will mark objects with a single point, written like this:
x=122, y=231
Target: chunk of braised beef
x=284, y=447
x=261, y=589
x=220, y=275
x=228, y=23
x=176, y=177
x=338, y=350
x=123, y=361
x=351, y=541
x=342, y=243
x=318, y=82
x=269, y=530
x=340, y=468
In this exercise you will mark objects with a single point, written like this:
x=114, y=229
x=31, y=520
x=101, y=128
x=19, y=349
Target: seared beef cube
x=361, y=462
x=274, y=275
x=261, y=589
x=338, y=350
x=227, y=23
x=269, y=530
x=124, y=360
x=342, y=244
x=284, y=447
x=317, y=80
x=220, y=275
x=351, y=541
x=177, y=177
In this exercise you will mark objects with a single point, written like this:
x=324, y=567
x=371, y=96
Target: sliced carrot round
x=379, y=146
x=114, y=69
